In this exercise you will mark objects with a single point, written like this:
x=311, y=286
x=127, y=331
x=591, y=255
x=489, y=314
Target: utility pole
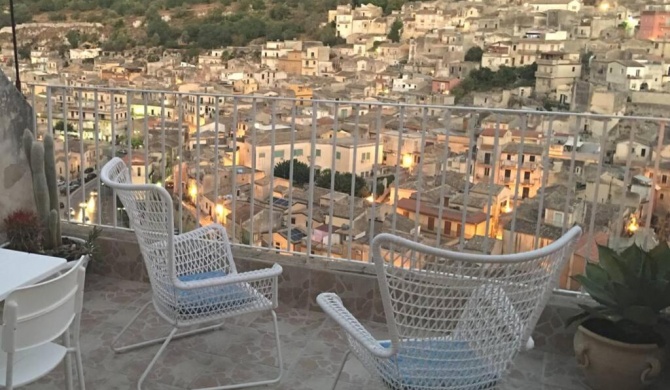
x=16, y=49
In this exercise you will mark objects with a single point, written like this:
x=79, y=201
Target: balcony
x=515, y=164
x=217, y=178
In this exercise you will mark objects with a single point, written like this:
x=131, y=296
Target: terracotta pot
x=609, y=364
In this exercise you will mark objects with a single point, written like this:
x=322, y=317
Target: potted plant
x=40, y=232
x=25, y=233
x=620, y=342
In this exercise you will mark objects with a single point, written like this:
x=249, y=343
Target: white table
x=18, y=269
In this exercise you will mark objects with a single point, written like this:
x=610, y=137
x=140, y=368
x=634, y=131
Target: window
x=139, y=171
x=508, y=173
x=558, y=218
x=487, y=158
x=487, y=171
x=261, y=155
x=318, y=153
x=664, y=179
x=526, y=175
x=661, y=196
x=297, y=153
x=525, y=193
x=338, y=155
x=279, y=154
x=509, y=157
x=643, y=151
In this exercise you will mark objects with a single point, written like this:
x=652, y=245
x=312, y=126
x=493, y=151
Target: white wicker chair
x=456, y=320
x=193, y=276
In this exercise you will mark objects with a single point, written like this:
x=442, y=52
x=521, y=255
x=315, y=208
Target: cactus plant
x=43, y=167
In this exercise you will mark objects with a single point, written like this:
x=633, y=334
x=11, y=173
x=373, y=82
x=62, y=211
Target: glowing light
x=507, y=209
x=159, y=184
x=219, y=210
x=632, y=225
x=604, y=6
x=407, y=161
x=193, y=191
x=370, y=199
x=90, y=207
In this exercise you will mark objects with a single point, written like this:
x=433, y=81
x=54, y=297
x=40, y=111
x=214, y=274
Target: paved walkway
x=244, y=350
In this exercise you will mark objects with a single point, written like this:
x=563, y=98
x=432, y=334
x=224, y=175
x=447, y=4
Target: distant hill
x=191, y=24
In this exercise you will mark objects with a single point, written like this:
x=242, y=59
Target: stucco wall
x=15, y=180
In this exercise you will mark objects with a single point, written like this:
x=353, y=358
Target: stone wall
x=16, y=187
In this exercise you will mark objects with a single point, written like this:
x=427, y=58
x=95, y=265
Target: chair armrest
x=244, y=277
x=332, y=305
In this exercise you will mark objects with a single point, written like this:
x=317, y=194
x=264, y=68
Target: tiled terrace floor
x=244, y=350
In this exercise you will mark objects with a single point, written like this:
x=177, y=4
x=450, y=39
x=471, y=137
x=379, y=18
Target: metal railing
x=221, y=166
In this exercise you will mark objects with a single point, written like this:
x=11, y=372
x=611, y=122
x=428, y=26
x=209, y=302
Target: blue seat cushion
x=217, y=298
x=439, y=364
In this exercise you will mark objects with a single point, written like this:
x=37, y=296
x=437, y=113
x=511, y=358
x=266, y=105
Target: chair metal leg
x=68, y=361
x=80, y=367
x=265, y=382
x=159, y=340
x=153, y=361
x=339, y=372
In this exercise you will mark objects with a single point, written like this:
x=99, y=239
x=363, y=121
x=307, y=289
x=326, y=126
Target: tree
x=59, y=126
x=24, y=52
x=474, y=54
x=22, y=13
x=136, y=142
x=396, y=29
x=258, y=5
x=73, y=38
x=300, y=171
x=280, y=12
x=343, y=183
x=328, y=35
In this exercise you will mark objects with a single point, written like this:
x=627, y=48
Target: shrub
x=24, y=231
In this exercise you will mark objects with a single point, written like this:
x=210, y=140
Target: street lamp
x=83, y=206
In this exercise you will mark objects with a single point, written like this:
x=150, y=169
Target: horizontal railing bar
x=509, y=111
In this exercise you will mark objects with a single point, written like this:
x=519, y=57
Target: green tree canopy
x=484, y=79
x=343, y=183
x=474, y=54
x=60, y=126
x=300, y=171
x=396, y=30
x=73, y=38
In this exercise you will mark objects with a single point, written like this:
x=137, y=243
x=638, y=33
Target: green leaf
x=660, y=252
x=624, y=295
x=597, y=292
x=596, y=273
x=611, y=262
x=661, y=256
x=641, y=315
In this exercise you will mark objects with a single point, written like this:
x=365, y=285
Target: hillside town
x=387, y=103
